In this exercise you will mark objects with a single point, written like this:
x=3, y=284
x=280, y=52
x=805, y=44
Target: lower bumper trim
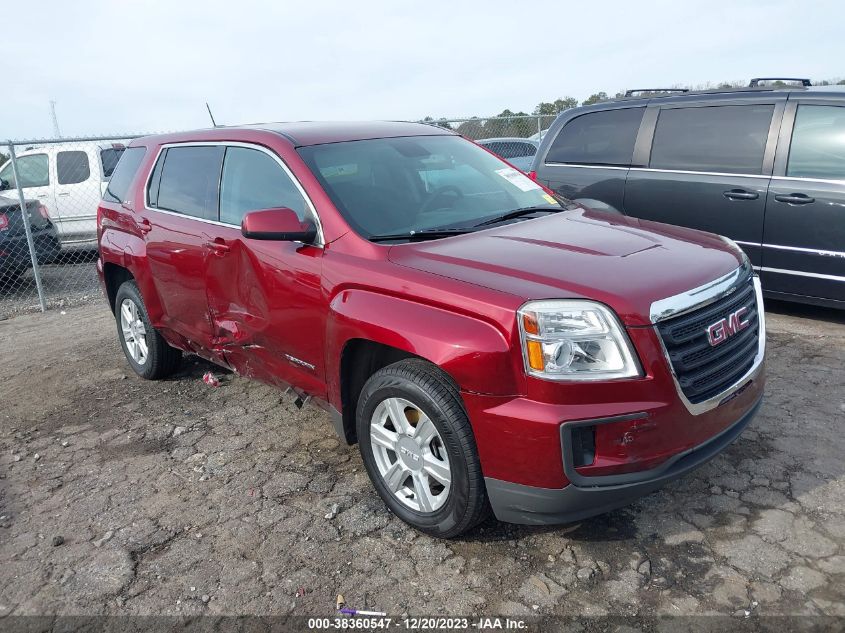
x=529, y=505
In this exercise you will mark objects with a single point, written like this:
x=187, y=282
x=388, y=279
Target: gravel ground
x=119, y=496
x=73, y=283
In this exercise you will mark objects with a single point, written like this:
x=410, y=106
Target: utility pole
x=56, y=131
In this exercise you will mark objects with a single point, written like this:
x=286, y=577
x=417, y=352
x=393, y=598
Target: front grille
x=704, y=370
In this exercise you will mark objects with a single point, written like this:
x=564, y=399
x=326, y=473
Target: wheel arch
x=114, y=276
x=367, y=331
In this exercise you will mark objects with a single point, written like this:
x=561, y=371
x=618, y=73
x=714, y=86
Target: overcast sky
x=112, y=68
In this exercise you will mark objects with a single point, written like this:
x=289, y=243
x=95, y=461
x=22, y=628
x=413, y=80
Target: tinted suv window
x=33, y=169
x=72, y=167
x=598, y=138
x=818, y=143
x=729, y=139
x=253, y=180
x=109, y=158
x=124, y=173
x=189, y=179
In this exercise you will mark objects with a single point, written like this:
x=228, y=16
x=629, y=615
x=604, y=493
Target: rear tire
x=427, y=452
x=149, y=355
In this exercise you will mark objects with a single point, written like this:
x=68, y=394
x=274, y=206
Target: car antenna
x=207, y=107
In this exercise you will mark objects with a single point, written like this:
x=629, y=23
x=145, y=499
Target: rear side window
x=124, y=173
x=33, y=170
x=72, y=167
x=728, y=139
x=818, y=143
x=109, y=158
x=189, y=181
x=598, y=138
x=252, y=180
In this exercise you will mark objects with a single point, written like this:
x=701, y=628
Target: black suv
x=764, y=166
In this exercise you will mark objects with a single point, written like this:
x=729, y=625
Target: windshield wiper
x=518, y=213
x=412, y=236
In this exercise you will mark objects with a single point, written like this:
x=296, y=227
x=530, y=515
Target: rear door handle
x=63, y=194
x=218, y=246
x=795, y=198
x=741, y=194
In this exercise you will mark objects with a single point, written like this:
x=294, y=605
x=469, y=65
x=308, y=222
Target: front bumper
x=589, y=496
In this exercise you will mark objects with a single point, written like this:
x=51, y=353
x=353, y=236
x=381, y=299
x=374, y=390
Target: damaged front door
x=265, y=297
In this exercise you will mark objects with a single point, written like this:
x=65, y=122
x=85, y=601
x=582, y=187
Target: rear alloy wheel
x=134, y=331
x=146, y=350
x=419, y=449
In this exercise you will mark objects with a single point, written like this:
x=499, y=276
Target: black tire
x=162, y=359
x=436, y=395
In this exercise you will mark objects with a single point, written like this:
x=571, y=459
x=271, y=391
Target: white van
x=68, y=179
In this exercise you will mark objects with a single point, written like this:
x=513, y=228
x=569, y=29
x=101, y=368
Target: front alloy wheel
x=419, y=449
x=410, y=455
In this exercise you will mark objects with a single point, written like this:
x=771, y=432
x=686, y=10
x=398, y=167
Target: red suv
x=486, y=343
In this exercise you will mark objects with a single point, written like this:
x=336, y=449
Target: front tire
x=419, y=450
x=148, y=353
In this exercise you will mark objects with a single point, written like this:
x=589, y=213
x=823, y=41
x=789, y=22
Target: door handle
x=795, y=198
x=63, y=194
x=144, y=225
x=741, y=194
x=218, y=246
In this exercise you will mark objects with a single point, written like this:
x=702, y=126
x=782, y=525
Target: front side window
x=34, y=171
x=189, y=181
x=598, y=138
x=420, y=183
x=253, y=180
x=818, y=143
x=72, y=167
x=724, y=139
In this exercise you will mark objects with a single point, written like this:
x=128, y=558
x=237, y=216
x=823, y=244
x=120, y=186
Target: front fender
x=475, y=353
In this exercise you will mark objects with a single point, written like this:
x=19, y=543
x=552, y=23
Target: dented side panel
x=267, y=310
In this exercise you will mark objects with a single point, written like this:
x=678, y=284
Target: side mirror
x=280, y=224
x=4, y=185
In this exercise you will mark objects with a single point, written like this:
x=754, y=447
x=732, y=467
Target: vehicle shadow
x=805, y=311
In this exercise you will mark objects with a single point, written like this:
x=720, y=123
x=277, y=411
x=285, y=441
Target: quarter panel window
x=729, y=139
x=598, y=138
x=34, y=171
x=72, y=167
x=818, y=143
x=252, y=180
x=124, y=174
x=110, y=157
x=189, y=181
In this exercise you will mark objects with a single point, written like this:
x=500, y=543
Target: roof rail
x=755, y=83
x=630, y=93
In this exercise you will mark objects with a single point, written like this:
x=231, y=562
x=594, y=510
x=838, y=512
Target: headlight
x=574, y=340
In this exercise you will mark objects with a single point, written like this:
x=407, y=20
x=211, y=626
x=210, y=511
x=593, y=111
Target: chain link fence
x=49, y=193
x=48, y=250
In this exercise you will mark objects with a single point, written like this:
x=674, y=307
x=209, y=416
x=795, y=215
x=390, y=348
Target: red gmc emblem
x=722, y=330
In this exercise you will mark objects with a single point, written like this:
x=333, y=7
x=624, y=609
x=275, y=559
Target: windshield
x=420, y=183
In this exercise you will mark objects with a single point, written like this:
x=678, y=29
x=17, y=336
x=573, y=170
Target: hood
x=623, y=262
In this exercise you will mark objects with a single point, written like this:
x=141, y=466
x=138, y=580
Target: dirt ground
x=119, y=496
